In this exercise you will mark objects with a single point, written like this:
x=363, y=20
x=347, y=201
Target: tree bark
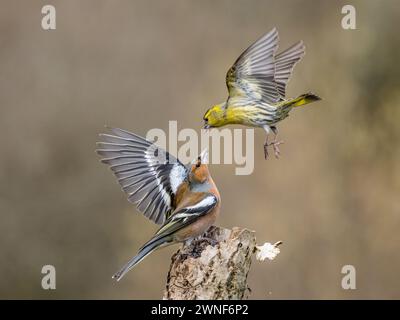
x=214, y=266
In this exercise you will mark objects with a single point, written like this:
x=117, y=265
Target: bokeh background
x=332, y=198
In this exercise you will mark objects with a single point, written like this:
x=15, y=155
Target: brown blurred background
x=333, y=197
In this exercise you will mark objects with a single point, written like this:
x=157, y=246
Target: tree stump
x=214, y=266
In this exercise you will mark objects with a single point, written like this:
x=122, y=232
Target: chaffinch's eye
x=198, y=163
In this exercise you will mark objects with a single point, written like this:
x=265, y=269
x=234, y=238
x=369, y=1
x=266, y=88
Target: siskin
x=257, y=86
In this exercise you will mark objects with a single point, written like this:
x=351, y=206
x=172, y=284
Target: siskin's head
x=214, y=117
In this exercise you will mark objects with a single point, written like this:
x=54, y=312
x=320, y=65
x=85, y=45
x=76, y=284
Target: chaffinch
x=182, y=198
x=257, y=86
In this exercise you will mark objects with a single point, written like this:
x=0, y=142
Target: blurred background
x=332, y=198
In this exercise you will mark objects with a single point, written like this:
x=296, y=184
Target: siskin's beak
x=206, y=126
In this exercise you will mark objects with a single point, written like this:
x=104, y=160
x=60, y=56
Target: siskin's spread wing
x=149, y=175
x=259, y=75
x=284, y=65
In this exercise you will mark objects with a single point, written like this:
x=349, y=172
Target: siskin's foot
x=266, y=150
x=275, y=144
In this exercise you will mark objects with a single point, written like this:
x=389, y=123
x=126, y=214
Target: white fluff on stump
x=216, y=265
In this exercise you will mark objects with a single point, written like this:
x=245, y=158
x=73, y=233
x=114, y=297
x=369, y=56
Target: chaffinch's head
x=198, y=171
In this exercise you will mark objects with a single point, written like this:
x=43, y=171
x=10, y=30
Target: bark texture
x=213, y=267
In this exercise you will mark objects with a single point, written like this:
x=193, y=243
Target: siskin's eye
x=206, y=119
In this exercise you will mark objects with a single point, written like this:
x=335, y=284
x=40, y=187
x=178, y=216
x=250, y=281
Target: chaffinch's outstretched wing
x=260, y=75
x=149, y=175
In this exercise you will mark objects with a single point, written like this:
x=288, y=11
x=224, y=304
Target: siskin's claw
x=266, y=151
x=275, y=145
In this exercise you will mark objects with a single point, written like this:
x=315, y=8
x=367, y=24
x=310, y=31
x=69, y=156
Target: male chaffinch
x=257, y=87
x=183, y=198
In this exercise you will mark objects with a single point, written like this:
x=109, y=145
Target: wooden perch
x=214, y=266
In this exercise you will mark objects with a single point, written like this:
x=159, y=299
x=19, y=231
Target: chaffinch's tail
x=148, y=248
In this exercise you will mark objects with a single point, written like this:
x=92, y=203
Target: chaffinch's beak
x=204, y=156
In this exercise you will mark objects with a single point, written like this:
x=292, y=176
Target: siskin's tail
x=148, y=248
x=303, y=100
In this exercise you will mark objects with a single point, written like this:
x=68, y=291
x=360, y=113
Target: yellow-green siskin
x=257, y=85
